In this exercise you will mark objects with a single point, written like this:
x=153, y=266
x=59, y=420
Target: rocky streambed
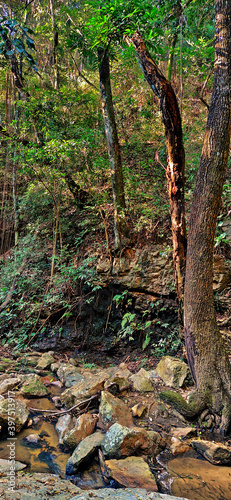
x=104, y=433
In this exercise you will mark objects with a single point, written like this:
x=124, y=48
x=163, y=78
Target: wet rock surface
x=131, y=472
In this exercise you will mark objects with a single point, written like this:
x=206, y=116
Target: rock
x=198, y=479
x=159, y=410
x=123, y=494
x=9, y=384
x=174, y=372
x=69, y=374
x=184, y=432
x=139, y=410
x=45, y=361
x=30, y=360
x=6, y=467
x=132, y=472
x=221, y=274
x=85, y=425
x=121, y=441
x=120, y=378
x=17, y=406
x=141, y=381
x=84, y=452
x=113, y=410
x=37, y=487
x=63, y=425
x=91, y=384
x=216, y=453
x=33, y=387
x=177, y=446
x=33, y=438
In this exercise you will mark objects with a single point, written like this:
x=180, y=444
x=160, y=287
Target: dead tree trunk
x=205, y=349
x=113, y=147
x=176, y=158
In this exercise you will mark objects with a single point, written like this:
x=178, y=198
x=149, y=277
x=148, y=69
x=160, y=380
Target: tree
x=176, y=158
x=206, y=353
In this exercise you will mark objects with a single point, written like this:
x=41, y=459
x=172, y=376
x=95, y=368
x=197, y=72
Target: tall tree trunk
x=205, y=349
x=113, y=147
x=176, y=158
x=55, y=44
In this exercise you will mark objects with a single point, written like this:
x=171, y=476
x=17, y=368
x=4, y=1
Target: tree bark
x=113, y=147
x=176, y=158
x=207, y=358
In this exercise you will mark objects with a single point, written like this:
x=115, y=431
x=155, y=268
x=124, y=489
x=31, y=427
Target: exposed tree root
x=189, y=410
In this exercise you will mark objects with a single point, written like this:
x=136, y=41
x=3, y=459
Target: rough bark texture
x=113, y=146
x=205, y=350
x=176, y=157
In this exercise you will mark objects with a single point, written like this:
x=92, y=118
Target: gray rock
x=33, y=438
x=69, y=374
x=63, y=425
x=8, y=384
x=5, y=466
x=84, y=452
x=92, y=383
x=45, y=361
x=141, y=381
x=17, y=406
x=174, y=372
x=123, y=494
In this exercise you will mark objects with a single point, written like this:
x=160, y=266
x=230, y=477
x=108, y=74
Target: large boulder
x=85, y=425
x=121, y=441
x=174, y=372
x=131, y=472
x=20, y=416
x=69, y=374
x=83, y=453
x=113, y=410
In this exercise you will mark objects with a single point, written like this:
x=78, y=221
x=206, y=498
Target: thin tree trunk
x=55, y=45
x=176, y=159
x=113, y=147
x=205, y=349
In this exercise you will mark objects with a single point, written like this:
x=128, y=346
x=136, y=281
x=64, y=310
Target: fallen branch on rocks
x=83, y=405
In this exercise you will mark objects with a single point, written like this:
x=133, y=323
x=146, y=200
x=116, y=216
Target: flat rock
x=141, y=381
x=20, y=409
x=131, y=472
x=85, y=425
x=45, y=361
x=183, y=432
x=174, y=372
x=91, y=384
x=33, y=387
x=113, y=410
x=5, y=466
x=121, y=441
x=216, y=453
x=83, y=453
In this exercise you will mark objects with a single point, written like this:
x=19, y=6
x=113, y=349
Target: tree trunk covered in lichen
x=205, y=349
x=176, y=158
x=113, y=147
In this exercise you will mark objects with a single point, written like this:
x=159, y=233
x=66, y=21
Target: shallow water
x=194, y=478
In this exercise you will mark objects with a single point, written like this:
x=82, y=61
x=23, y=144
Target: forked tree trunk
x=113, y=147
x=205, y=349
x=176, y=158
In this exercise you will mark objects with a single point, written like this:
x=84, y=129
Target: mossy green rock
x=34, y=388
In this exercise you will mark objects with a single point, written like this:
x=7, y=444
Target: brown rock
x=91, y=384
x=216, y=453
x=113, y=410
x=121, y=441
x=139, y=410
x=85, y=425
x=177, y=446
x=131, y=472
